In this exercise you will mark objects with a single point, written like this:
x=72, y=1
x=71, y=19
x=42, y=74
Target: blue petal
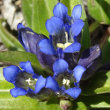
x=60, y=66
x=54, y=25
x=25, y=35
x=30, y=91
x=90, y=55
x=77, y=11
x=73, y=92
x=77, y=27
x=15, y=92
x=20, y=26
x=60, y=10
x=10, y=73
x=78, y=72
x=29, y=39
x=91, y=60
x=76, y=84
x=52, y=84
x=47, y=47
x=74, y=47
x=40, y=84
x=26, y=66
x=67, y=27
x=35, y=76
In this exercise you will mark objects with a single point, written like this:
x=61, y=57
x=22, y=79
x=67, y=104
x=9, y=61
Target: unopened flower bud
x=65, y=104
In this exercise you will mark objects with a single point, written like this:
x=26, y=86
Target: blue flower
x=61, y=22
x=20, y=77
x=30, y=41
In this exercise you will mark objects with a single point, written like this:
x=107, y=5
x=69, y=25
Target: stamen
x=63, y=46
x=66, y=82
x=29, y=81
x=66, y=36
x=58, y=93
x=67, y=44
x=60, y=45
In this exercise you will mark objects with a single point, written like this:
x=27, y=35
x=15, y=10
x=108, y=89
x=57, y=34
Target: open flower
x=63, y=27
x=21, y=78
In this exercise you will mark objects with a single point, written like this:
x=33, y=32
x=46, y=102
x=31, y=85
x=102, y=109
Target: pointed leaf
x=36, y=12
x=15, y=57
x=99, y=10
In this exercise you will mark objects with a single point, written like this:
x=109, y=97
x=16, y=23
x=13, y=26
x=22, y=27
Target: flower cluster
x=60, y=53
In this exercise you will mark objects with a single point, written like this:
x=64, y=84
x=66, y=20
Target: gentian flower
x=60, y=53
x=30, y=40
x=70, y=27
x=21, y=78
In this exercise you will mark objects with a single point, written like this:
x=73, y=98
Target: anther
x=29, y=81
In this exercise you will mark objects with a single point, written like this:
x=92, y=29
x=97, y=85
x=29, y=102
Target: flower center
x=25, y=80
x=65, y=45
x=30, y=81
x=66, y=82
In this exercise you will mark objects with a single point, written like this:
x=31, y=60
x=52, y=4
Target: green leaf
x=79, y=105
x=98, y=84
x=36, y=12
x=7, y=102
x=9, y=40
x=99, y=10
x=41, y=10
x=15, y=57
x=26, y=103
